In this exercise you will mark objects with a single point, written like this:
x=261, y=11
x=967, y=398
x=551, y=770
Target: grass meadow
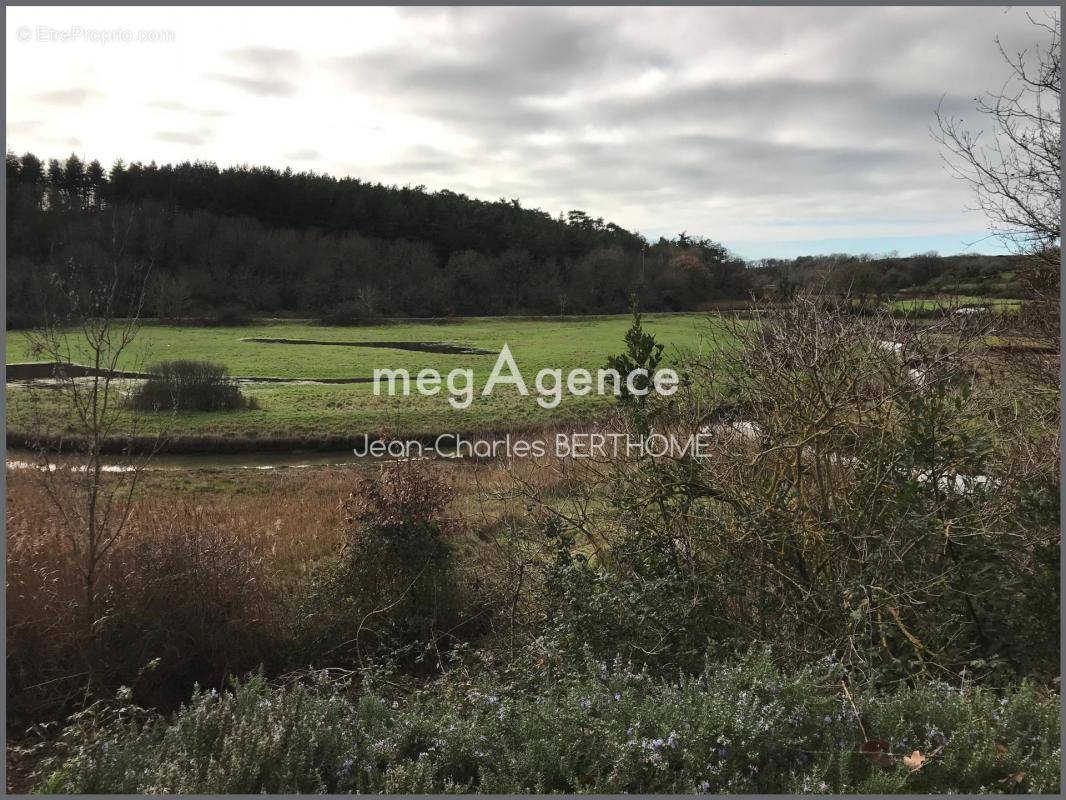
x=328, y=411
x=953, y=301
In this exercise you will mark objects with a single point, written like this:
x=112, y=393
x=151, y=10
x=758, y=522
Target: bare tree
x=1014, y=169
x=89, y=327
x=367, y=300
x=1014, y=165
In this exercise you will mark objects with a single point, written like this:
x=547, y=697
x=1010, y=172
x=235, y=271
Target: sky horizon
x=778, y=132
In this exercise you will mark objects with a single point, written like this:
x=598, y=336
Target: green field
x=995, y=304
x=317, y=410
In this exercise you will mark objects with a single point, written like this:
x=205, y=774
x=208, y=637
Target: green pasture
x=994, y=304
x=312, y=410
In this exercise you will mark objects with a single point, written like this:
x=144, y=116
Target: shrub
x=394, y=584
x=189, y=386
x=734, y=728
x=350, y=314
x=643, y=606
x=866, y=496
x=230, y=316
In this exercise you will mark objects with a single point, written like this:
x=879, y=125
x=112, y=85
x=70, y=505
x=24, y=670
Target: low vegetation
x=610, y=728
x=186, y=385
x=875, y=523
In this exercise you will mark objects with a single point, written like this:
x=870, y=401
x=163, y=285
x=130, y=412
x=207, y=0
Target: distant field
x=952, y=301
x=315, y=410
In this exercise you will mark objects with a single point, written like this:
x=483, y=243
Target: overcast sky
x=779, y=131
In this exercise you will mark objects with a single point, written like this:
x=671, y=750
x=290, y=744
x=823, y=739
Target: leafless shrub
x=403, y=494
x=394, y=587
x=189, y=598
x=95, y=325
x=1013, y=167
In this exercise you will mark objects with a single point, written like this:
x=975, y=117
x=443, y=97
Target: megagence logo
x=548, y=383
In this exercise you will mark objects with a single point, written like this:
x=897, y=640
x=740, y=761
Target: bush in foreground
x=866, y=490
x=394, y=585
x=733, y=728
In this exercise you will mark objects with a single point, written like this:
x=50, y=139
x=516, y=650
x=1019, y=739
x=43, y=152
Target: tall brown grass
x=207, y=580
x=196, y=589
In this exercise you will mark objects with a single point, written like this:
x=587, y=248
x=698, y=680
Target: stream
x=18, y=458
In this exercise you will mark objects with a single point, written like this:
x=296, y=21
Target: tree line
x=242, y=241
x=260, y=240
x=873, y=277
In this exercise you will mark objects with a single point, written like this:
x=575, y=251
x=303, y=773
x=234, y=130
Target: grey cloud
x=268, y=59
x=23, y=128
x=492, y=66
x=182, y=108
x=711, y=166
x=38, y=131
x=272, y=71
x=723, y=167
x=308, y=154
x=492, y=69
x=184, y=137
x=262, y=86
x=425, y=161
x=860, y=111
x=819, y=114
x=74, y=96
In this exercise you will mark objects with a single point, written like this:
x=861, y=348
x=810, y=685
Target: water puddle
x=18, y=459
x=51, y=371
x=445, y=348
x=51, y=375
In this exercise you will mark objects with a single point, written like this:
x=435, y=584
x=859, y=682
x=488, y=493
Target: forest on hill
x=240, y=241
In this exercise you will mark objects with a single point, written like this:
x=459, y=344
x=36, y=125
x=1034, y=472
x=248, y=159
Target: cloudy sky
x=779, y=131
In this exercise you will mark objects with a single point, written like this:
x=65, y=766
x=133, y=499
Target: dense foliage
x=271, y=241
x=226, y=243
x=741, y=727
x=864, y=489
